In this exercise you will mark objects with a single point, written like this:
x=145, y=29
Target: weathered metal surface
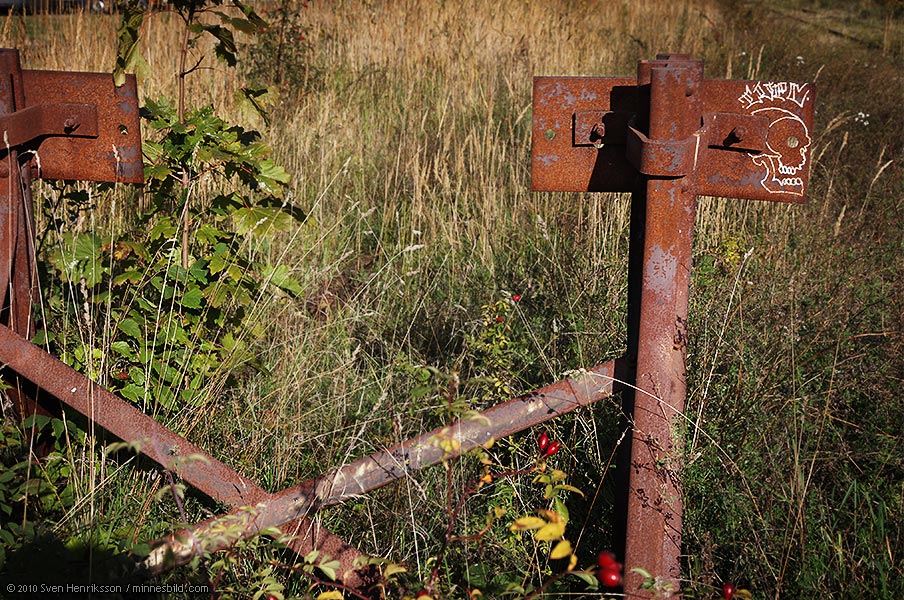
x=654, y=495
x=114, y=154
x=561, y=159
x=774, y=120
x=666, y=136
x=381, y=468
x=60, y=119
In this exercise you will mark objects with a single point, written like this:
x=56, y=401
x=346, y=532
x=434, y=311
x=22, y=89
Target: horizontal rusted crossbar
x=382, y=468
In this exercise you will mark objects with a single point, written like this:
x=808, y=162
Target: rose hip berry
x=552, y=448
x=516, y=297
x=728, y=591
x=606, y=560
x=610, y=577
x=543, y=441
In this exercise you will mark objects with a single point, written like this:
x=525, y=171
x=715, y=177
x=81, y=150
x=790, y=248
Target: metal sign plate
x=754, y=141
x=114, y=154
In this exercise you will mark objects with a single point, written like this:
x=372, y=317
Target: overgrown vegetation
x=316, y=319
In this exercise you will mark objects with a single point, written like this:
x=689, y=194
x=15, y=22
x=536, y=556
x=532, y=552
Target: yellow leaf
x=573, y=562
x=331, y=595
x=561, y=550
x=743, y=594
x=527, y=523
x=569, y=488
x=498, y=511
x=550, y=532
x=392, y=569
x=552, y=516
x=558, y=475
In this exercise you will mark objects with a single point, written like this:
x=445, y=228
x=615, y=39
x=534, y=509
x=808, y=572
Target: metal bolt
x=740, y=132
x=793, y=142
x=70, y=124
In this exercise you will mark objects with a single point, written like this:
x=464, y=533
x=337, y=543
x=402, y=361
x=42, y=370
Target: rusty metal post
x=666, y=136
x=18, y=278
x=654, y=496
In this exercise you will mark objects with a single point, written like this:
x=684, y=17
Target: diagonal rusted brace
x=382, y=468
x=161, y=445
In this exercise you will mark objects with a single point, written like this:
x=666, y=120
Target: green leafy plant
x=176, y=292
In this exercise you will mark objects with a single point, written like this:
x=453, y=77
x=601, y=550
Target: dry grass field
x=406, y=128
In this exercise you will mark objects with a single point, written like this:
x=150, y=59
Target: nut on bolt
x=70, y=124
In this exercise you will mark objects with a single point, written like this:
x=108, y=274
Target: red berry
x=516, y=297
x=543, y=441
x=606, y=560
x=609, y=577
x=499, y=319
x=728, y=591
x=552, y=448
x=422, y=593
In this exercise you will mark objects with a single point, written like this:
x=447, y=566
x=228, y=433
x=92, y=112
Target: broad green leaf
x=122, y=348
x=193, y=298
x=131, y=328
x=132, y=392
x=127, y=54
x=330, y=568
x=279, y=276
x=261, y=220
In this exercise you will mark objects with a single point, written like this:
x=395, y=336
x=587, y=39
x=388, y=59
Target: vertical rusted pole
x=17, y=273
x=654, y=500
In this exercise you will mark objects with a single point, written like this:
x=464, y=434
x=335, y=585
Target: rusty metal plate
x=563, y=159
x=754, y=141
x=114, y=154
x=779, y=170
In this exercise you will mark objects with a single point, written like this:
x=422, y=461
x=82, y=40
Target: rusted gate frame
x=58, y=131
x=667, y=137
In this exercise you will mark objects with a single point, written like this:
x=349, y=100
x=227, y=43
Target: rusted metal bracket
x=667, y=136
x=62, y=119
x=750, y=139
